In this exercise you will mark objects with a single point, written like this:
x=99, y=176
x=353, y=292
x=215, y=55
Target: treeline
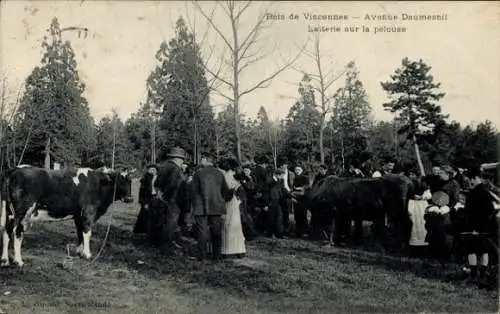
x=50, y=120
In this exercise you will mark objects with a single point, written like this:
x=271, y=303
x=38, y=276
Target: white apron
x=418, y=231
x=233, y=240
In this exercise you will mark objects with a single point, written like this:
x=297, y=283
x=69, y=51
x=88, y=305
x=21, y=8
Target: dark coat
x=278, y=195
x=319, y=177
x=145, y=196
x=210, y=192
x=291, y=179
x=452, y=188
x=170, y=183
x=262, y=177
x=167, y=205
x=434, y=182
x=145, y=189
x=301, y=181
x=479, y=210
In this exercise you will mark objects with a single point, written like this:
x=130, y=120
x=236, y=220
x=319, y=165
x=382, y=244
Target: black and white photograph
x=249, y=156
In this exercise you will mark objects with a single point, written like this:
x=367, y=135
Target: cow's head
x=122, y=181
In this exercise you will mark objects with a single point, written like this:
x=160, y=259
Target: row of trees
x=50, y=119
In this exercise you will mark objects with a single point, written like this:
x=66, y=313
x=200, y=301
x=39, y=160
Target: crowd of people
x=225, y=204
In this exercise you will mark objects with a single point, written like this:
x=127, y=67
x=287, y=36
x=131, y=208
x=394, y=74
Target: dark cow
x=357, y=199
x=37, y=194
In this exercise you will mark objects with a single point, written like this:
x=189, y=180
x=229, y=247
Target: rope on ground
x=68, y=260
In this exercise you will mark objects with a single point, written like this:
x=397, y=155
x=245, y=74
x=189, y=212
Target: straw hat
x=440, y=199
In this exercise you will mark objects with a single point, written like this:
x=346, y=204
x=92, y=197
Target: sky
x=118, y=54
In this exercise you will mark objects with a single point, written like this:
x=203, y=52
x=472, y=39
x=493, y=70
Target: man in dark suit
x=167, y=204
x=210, y=192
x=288, y=182
x=300, y=207
x=146, y=193
x=321, y=174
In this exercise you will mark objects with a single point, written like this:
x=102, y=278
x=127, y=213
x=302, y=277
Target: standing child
x=480, y=217
x=279, y=198
x=437, y=220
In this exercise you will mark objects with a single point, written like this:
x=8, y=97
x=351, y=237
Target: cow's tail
x=3, y=200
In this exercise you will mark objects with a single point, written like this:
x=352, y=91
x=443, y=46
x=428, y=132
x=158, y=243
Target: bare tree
x=322, y=80
x=8, y=111
x=274, y=135
x=245, y=52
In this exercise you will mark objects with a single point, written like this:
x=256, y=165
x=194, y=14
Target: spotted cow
x=37, y=194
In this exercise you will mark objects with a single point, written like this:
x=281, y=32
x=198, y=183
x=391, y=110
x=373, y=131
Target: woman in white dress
x=233, y=240
x=416, y=207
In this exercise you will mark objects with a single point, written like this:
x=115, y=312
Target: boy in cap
x=480, y=216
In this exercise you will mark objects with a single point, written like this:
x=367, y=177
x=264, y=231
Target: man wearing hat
x=164, y=221
x=450, y=185
x=261, y=172
x=263, y=177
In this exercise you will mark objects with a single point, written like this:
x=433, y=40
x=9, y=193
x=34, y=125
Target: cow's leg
x=3, y=216
x=4, y=225
x=340, y=223
x=86, y=243
x=79, y=233
x=88, y=219
x=358, y=231
x=5, y=247
x=19, y=228
x=18, y=240
x=379, y=233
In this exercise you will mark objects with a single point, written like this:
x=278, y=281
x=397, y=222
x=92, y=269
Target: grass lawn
x=278, y=276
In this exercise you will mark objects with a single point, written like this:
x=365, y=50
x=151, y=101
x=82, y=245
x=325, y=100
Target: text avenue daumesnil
x=366, y=17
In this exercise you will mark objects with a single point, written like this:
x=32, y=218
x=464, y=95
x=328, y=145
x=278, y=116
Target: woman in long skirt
x=233, y=240
x=416, y=208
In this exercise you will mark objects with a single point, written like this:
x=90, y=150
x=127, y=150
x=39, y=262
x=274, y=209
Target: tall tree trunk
x=321, y=136
x=417, y=153
x=47, y=154
x=396, y=140
x=195, y=141
x=217, y=143
x=308, y=147
x=342, y=153
x=114, y=147
x=332, y=157
x=153, y=141
x=236, y=89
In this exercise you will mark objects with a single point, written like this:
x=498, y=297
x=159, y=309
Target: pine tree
x=303, y=124
x=351, y=119
x=225, y=135
x=266, y=135
x=178, y=86
x=413, y=95
x=142, y=130
x=113, y=144
x=54, y=116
